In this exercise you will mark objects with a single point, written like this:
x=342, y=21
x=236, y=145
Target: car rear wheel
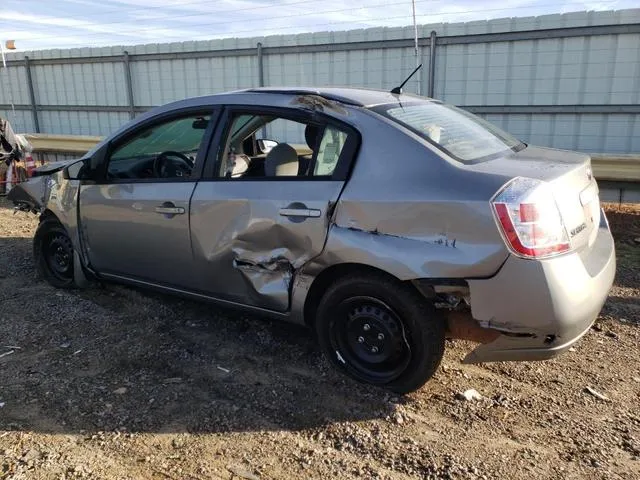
x=379, y=331
x=53, y=252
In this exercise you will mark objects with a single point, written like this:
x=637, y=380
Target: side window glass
x=266, y=146
x=331, y=146
x=165, y=150
x=286, y=131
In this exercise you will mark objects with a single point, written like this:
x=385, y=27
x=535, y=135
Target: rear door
x=136, y=218
x=259, y=216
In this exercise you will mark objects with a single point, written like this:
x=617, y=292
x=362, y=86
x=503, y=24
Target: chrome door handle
x=170, y=210
x=300, y=212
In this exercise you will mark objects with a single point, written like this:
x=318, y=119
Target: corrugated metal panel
x=598, y=69
x=156, y=82
x=21, y=120
x=13, y=80
x=618, y=133
x=81, y=123
x=572, y=71
x=79, y=84
x=369, y=68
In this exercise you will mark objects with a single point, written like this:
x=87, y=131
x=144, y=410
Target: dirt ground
x=116, y=383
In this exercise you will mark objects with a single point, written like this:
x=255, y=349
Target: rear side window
x=267, y=145
x=331, y=146
x=460, y=134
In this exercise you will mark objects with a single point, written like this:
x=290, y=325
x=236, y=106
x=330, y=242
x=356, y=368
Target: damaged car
x=386, y=222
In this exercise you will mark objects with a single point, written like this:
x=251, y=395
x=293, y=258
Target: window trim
x=345, y=162
x=165, y=117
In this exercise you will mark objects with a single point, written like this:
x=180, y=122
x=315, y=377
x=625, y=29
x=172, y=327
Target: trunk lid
x=570, y=176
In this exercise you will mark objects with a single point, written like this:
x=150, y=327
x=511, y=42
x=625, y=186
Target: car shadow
x=114, y=358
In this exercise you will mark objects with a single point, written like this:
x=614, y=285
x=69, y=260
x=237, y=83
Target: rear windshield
x=460, y=134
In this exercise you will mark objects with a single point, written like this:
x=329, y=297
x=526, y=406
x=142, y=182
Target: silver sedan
x=384, y=221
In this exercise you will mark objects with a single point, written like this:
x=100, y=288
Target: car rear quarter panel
x=411, y=213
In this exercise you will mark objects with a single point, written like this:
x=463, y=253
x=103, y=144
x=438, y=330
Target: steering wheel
x=166, y=167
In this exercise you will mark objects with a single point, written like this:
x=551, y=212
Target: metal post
x=260, y=66
x=432, y=63
x=127, y=77
x=415, y=44
x=32, y=95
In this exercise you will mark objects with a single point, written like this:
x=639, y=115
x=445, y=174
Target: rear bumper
x=543, y=307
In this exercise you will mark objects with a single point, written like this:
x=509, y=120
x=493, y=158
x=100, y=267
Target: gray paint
x=565, y=289
x=407, y=209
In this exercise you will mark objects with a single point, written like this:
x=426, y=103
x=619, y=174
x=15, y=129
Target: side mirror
x=80, y=170
x=265, y=145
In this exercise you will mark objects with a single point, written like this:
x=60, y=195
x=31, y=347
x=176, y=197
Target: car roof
x=361, y=97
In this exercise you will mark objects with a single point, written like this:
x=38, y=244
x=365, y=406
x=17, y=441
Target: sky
x=41, y=24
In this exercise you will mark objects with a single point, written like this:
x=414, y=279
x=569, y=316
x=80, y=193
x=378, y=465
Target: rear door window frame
x=345, y=162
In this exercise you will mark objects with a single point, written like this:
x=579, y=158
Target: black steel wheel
x=371, y=338
x=380, y=331
x=53, y=252
x=58, y=253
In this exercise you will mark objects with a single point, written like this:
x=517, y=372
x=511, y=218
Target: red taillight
x=528, y=212
x=530, y=220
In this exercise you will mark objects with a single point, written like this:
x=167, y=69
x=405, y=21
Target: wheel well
x=330, y=275
x=47, y=214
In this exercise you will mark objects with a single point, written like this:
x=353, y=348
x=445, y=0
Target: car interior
x=257, y=146
x=168, y=150
x=291, y=148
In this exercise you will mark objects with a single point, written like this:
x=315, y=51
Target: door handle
x=300, y=212
x=169, y=210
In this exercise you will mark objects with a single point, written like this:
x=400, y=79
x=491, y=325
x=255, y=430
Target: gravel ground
x=116, y=383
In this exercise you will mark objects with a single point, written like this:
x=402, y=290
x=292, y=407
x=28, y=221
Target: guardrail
x=616, y=167
x=73, y=144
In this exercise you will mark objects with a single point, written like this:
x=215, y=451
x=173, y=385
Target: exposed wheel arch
x=54, y=253
x=49, y=214
x=328, y=276
x=380, y=331
x=83, y=274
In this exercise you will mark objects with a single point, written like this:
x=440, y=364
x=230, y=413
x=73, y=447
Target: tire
x=53, y=253
x=381, y=332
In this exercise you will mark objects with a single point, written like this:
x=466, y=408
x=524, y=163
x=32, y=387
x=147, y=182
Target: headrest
x=311, y=136
x=281, y=161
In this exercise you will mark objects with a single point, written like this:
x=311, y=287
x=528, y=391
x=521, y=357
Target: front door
x=136, y=219
x=266, y=208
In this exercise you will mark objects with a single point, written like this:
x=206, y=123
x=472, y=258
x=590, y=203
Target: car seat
x=282, y=161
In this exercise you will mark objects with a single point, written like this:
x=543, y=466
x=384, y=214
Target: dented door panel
x=248, y=239
x=408, y=213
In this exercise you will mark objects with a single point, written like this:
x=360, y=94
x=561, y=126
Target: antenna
x=398, y=90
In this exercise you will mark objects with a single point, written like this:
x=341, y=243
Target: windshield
x=458, y=133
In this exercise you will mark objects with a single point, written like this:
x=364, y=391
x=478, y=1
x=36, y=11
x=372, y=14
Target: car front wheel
x=53, y=252
x=380, y=331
